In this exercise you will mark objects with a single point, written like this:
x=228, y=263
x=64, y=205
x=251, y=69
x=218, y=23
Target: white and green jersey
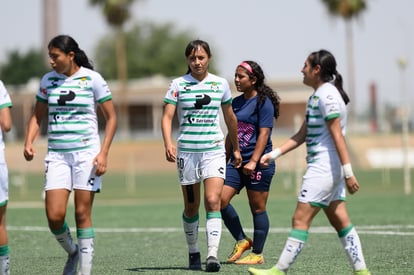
x=198, y=107
x=72, y=102
x=324, y=104
x=5, y=102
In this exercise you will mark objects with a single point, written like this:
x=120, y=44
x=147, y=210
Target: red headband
x=247, y=67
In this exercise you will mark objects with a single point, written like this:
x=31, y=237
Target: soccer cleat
x=362, y=272
x=239, y=248
x=251, y=258
x=194, y=260
x=272, y=271
x=212, y=264
x=72, y=263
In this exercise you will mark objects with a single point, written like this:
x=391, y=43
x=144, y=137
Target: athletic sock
x=4, y=260
x=232, y=221
x=191, y=232
x=86, y=249
x=352, y=246
x=293, y=247
x=64, y=238
x=261, y=228
x=213, y=233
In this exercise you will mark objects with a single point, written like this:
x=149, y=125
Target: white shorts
x=323, y=181
x=72, y=170
x=195, y=167
x=4, y=184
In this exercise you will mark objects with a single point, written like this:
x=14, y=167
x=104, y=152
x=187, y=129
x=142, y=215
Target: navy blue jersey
x=251, y=117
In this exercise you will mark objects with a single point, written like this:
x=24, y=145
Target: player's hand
x=265, y=160
x=29, y=152
x=171, y=153
x=100, y=164
x=237, y=159
x=352, y=184
x=249, y=167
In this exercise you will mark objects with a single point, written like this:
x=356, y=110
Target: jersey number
x=256, y=175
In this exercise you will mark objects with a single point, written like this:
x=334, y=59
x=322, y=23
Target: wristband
x=347, y=170
x=275, y=154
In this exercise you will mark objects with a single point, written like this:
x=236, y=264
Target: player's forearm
x=110, y=129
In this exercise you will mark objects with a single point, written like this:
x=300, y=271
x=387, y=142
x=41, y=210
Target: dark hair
x=194, y=45
x=327, y=62
x=67, y=44
x=263, y=90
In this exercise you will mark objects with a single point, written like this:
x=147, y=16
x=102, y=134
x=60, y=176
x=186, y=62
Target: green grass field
x=137, y=220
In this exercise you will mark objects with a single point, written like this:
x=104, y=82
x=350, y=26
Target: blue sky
x=278, y=34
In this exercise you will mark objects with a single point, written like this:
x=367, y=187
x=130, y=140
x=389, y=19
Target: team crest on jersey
x=83, y=83
x=315, y=101
x=214, y=87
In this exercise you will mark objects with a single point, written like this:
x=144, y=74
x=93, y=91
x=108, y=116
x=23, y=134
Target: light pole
x=402, y=63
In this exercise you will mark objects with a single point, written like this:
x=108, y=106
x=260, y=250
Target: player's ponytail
x=338, y=82
x=82, y=60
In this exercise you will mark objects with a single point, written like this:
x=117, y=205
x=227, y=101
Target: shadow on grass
x=144, y=269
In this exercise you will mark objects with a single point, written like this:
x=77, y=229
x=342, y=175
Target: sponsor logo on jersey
x=202, y=100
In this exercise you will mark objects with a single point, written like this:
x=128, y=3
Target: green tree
x=151, y=49
x=117, y=13
x=348, y=10
x=19, y=68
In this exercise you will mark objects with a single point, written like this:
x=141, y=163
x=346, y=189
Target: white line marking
x=398, y=230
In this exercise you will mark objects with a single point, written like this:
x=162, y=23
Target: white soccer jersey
x=324, y=104
x=5, y=102
x=72, y=102
x=198, y=106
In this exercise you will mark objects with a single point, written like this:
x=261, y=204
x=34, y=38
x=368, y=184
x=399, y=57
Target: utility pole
x=50, y=23
x=402, y=63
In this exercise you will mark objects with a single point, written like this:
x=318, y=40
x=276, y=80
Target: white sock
x=5, y=265
x=65, y=239
x=353, y=249
x=191, y=233
x=213, y=232
x=86, y=252
x=291, y=250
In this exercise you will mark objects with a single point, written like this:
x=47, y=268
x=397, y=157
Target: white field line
x=394, y=230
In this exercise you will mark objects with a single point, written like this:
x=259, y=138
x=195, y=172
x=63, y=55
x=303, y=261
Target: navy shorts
x=259, y=180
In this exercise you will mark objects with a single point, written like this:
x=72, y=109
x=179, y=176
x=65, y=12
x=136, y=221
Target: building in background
x=145, y=102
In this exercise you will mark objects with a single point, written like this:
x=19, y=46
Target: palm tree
x=348, y=9
x=117, y=14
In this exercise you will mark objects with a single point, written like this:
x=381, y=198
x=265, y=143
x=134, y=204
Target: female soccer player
x=255, y=110
x=75, y=159
x=200, y=154
x=5, y=126
x=328, y=165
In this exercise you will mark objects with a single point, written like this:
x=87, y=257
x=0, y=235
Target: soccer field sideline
x=395, y=230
